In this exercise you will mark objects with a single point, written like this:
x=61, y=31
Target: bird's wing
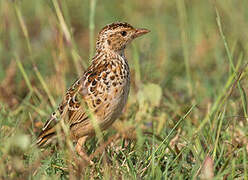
x=68, y=105
x=84, y=95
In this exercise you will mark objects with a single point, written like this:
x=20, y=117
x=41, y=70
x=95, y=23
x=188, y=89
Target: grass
x=186, y=117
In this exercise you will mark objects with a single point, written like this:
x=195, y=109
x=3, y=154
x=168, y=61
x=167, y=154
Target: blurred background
x=194, y=57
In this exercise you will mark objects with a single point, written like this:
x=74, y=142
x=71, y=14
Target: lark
x=102, y=91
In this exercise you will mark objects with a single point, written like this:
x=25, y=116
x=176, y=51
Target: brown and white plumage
x=103, y=89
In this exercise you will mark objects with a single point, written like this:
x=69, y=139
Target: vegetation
x=186, y=116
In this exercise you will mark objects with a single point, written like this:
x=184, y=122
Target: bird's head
x=117, y=36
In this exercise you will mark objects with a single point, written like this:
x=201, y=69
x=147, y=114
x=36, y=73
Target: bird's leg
x=80, y=149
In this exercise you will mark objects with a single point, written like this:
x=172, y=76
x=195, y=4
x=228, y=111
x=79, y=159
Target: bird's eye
x=123, y=33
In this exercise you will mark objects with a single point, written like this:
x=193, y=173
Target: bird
x=101, y=91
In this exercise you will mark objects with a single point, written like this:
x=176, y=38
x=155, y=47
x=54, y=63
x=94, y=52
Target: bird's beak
x=140, y=32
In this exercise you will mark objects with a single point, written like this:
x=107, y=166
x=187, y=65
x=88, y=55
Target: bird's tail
x=46, y=137
x=48, y=133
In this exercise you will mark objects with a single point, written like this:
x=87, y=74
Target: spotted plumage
x=102, y=90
